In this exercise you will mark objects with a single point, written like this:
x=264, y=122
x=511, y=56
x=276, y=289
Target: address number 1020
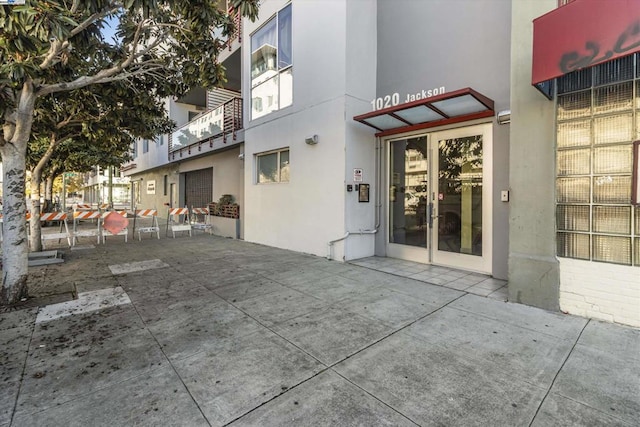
x=386, y=101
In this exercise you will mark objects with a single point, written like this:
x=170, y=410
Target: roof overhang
x=447, y=108
x=583, y=33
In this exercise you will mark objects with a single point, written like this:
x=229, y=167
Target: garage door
x=198, y=188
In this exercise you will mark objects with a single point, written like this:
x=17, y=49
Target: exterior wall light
x=504, y=117
x=311, y=140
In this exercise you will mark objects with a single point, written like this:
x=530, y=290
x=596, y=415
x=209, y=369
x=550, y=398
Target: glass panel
x=286, y=88
x=465, y=104
x=614, y=159
x=612, y=249
x=572, y=245
x=613, y=71
x=611, y=189
x=573, y=190
x=574, y=162
x=284, y=37
x=574, y=134
x=264, y=36
x=636, y=250
x=612, y=219
x=575, y=80
x=610, y=129
x=268, y=168
x=263, y=53
x=264, y=98
x=460, y=195
x=385, y=122
x=408, y=191
x=637, y=215
x=572, y=218
x=612, y=98
x=574, y=105
x=284, y=166
x=638, y=92
x=419, y=114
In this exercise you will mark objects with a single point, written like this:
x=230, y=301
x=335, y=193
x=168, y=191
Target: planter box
x=225, y=211
x=225, y=227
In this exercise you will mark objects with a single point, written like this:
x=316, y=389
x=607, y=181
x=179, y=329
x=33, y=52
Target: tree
x=49, y=47
x=108, y=117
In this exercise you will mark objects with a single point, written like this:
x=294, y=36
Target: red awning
x=584, y=33
x=451, y=107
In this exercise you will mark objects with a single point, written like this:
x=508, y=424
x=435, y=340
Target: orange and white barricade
x=114, y=223
x=148, y=218
x=90, y=232
x=103, y=207
x=82, y=207
x=178, y=220
x=200, y=219
x=60, y=217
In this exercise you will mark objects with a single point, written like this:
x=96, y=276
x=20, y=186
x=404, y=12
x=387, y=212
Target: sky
x=109, y=29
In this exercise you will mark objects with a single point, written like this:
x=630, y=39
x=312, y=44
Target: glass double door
x=439, y=208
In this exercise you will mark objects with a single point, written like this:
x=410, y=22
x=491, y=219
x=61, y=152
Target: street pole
x=64, y=191
x=111, y=186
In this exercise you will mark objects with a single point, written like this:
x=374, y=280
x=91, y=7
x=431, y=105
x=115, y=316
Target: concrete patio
x=211, y=331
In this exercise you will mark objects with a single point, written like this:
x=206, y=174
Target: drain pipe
x=347, y=234
x=378, y=204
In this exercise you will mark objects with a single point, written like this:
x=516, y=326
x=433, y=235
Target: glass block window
x=598, y=118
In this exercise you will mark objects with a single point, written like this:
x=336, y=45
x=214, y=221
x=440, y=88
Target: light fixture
x=241, y=156
x=504, y=117
x=311, y=140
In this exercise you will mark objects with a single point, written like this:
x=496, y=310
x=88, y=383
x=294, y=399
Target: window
x=134, y=149
x=598, y=118
x=165, y=184
x=145, y=145
x=273, y=166
x=271, y=65
x=160, y=139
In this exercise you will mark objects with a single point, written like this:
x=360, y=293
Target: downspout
x=377, y=205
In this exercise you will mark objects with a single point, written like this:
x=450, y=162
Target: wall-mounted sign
x=357, y=175
x=394, y=99
x=363, y=193
x=151, y=187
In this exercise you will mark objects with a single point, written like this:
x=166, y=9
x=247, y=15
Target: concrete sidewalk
x=210, y=331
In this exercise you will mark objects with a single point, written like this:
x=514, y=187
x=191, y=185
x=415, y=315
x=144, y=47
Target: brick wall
x=602, y=291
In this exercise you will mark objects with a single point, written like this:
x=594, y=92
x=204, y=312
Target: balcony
x=207, y=132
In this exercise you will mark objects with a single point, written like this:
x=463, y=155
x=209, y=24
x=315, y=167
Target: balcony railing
x=237, y=23
x=219, y=122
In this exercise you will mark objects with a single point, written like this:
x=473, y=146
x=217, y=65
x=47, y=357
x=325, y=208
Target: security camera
x=241, y=156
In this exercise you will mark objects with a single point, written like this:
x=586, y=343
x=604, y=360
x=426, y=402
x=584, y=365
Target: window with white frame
x=598, y=118
x=272, y=65
x=134, y=149
x=273, y=166
x=145, y=145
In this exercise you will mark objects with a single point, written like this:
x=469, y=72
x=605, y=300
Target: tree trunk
x=48, y=193
x=14, y=244
x=14, y=228
x=35, y=240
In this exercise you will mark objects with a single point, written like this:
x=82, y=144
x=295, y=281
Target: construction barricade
x=94, y=216
x=60, y=218
x=114, y=223
x=178, y=220
x=146, y=221
x=200, y=220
